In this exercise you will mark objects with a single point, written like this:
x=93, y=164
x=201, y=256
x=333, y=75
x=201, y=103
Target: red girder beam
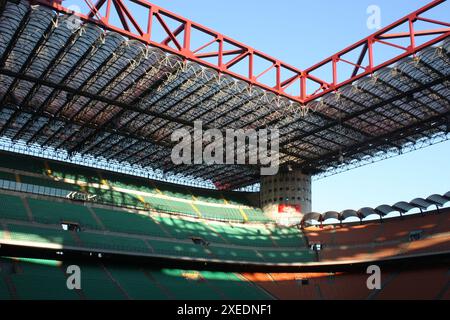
x=121, y=15
x=94, y=10
x=125, y=12
x=410, y=19
x=166, y=28
x=305, y=77
x=416, y=33
x=175, y=33
x=215, y=54
x=360, y=60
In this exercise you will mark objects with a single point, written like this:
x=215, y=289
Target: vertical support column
x=286, y=197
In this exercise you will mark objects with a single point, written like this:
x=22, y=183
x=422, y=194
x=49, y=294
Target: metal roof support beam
x=113, y=118
x=103, y=90
x=93, y=96
x=31, y=57
x=245, y=56
x=89, y=126
x=70, y=101
x=78, y=65
x=15, y=38
x=44, y=75
x=433, y=121
x=373, y=107
x=194, y=106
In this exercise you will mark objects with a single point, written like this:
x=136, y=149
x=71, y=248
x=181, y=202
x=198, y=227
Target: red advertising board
x=289, y=209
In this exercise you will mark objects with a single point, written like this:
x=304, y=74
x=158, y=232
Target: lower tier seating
x=23, y=279
x=408, y=282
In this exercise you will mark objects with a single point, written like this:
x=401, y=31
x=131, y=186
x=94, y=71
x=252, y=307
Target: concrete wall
x=291, y=188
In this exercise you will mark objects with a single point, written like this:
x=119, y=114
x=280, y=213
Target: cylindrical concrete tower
x=286, y=196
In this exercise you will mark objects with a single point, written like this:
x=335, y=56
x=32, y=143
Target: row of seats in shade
x=52, y=171
x=130, y=244
x=23, y=278
x=157, y=201
x=53, y=212
x=158, y=235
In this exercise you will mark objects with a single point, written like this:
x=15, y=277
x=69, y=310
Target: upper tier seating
x=11, y=207
x=35, y=174
x=340, y=243
x=57, y=212
x=148, y=233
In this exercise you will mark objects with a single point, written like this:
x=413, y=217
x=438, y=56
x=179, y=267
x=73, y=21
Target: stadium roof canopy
x=87, y=87
x=382, y=211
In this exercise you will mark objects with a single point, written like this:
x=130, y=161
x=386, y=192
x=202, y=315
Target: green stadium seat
x=184, y=229
x=235, y=254
x=233, y=286
x=125, y=195
x=171, y=206
x=50, y=212
x=299, y=256
x=40, y=235
x=240, y=235
x=4, y=292
x=71, y=172
x=127, y=222
x=256, y=215
x=113, y=243
x=137, y=285
x=11, y=207
x=41, y=280
x=185, y=289
x=49, y=183
x=97, y=285
x=220, y=213
x=29, y=287
x=178, y=249
x=130, y=281
x=288, y=237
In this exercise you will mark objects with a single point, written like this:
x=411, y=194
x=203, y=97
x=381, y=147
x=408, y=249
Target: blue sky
x=299, y=32
x=304, y=32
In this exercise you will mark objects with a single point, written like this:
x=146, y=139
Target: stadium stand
x=404, y=282
x=22, y=278
x=121, y=282
x=377, y=240
x=12, y=207
x=117, y=230
x=39, y=220
x=54, y=212
x=427, y=284
x=105, y=227
x=402, y=208
x=46, y=177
